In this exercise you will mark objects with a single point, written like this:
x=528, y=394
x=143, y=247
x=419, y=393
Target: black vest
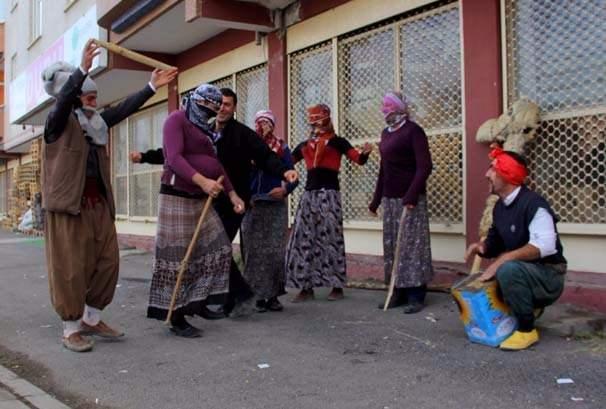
x=509, y=229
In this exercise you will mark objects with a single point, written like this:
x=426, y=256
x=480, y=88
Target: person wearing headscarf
x=189, y=180
x=265, y=224
x=80, y=235
x=523, y=240
x=401, y=185
x=315, y=255
x=238, y=147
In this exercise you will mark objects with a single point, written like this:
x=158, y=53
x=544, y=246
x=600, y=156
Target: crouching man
x=523, y=241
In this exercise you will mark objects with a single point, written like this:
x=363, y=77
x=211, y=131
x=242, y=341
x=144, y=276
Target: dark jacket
x=237, y=148
x=261, y=182
x=509, y=230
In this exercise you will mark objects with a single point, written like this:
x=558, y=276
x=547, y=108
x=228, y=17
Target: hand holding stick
x=190, y=249
x=396, y=260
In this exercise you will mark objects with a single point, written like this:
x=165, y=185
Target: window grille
x=136, y=186
x=556, y=54
x=253, y=94
x=419, y=54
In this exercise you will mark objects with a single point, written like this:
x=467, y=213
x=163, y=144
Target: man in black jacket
x=237, y=147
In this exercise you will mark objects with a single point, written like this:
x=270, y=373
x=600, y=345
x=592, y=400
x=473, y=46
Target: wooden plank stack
x=24, y=187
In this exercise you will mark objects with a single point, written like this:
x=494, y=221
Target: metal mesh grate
x=136, y=186
x=310, y=83
x=423, y=54
x=253, y=94
x=145, y=132
x=226, y=82
x=120, y=167
x=556, y=54
x=445, y=185
x=568, y=166
x=366, y=70
x=431, y=78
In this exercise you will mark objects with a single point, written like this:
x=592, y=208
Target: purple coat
x=188, y=150
x=405, y=165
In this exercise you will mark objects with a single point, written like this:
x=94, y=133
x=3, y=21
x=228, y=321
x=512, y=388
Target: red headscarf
x=507, y=167
x=319, y=117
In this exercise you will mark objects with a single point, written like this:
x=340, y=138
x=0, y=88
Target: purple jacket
x=405, y=165
x=188, y=150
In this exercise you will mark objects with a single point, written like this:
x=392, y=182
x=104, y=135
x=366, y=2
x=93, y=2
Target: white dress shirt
x=542, y=228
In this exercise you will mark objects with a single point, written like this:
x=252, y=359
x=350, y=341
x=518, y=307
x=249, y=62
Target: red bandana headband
x=512, y=171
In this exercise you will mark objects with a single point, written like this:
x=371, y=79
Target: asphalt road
x=321, y=354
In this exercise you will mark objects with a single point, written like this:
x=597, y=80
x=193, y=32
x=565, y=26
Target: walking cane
x=190, y=249
x=396, y=260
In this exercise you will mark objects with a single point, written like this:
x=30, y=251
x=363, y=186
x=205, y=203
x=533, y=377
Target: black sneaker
x=181, y=328
x=209, y=314
x=261, y=306
x=187, y=332
x=413, y=308
x=274, y=305
x=398, y=298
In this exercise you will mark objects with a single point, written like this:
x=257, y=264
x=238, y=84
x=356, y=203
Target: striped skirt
x=315, y=255
x=206, y=276
x=264, y=236
x=414, y=268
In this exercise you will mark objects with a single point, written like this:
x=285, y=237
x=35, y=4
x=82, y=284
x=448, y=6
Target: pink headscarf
x=275, y=143
x=394, y=102
x=267, y=115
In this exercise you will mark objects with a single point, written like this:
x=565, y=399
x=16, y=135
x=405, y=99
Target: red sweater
x=325, y=173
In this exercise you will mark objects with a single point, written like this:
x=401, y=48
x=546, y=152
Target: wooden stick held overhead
x=132, y=55
x=190, y=249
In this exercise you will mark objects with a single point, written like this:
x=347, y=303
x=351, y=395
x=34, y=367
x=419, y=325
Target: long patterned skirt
x=264, y=236
x=206, y=277
x=414, y=268
x=315, y=255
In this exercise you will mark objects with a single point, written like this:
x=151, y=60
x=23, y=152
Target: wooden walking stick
x=396, y=260
x=190, y=249
x=132, y=55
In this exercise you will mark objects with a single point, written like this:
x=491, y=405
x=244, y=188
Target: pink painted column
x=483, y=98
x=277, y=66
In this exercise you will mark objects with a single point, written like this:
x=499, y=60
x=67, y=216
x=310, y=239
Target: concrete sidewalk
x=319, y=354
x=17, y=393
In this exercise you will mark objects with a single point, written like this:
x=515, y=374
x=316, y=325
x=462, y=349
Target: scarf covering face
x=274, y=143
x=318, y=116
x=95, y=127
x=509, y=169
x=394, y=108
x=202, y=116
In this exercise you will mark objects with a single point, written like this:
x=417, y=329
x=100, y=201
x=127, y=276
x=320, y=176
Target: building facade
x=459, y=62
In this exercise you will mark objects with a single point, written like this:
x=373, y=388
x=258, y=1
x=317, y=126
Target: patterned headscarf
x=507, y=167
x=318, y=116
x=200, y=115
x=274, y=142
x=394, y=103
x=55, y=76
